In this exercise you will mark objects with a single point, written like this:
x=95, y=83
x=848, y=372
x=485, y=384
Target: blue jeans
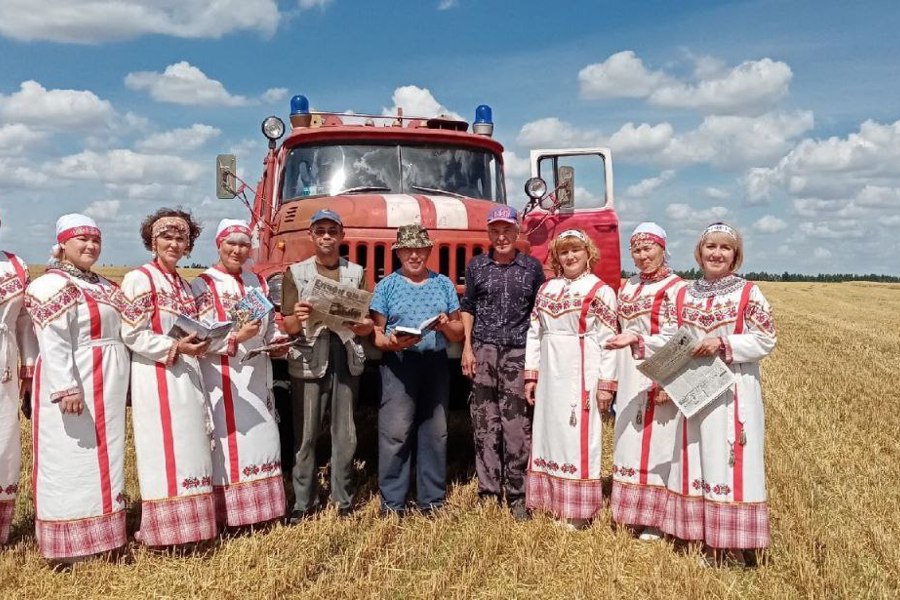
x=414, y=396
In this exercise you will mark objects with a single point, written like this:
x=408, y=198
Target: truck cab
x=382, y=171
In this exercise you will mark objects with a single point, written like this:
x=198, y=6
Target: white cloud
x=418, y=102
x=16, y=138
x=821, y=253
x=310, y=4
x=641, y=139
x=447, y=4
x=555, y=133
x=750, y=88
x=94, y=21
x=102, y=209
x=59, y=110
x=715, y=193
x=622, y=75
x=515, y=167
x=273, y=95
x=876, y=196
x=733, y=141
x=770, y=224
x=18, y=175
x=684, y=212
x=644, y=188
x=126, y=167
x=183, y=83
x=178, y=140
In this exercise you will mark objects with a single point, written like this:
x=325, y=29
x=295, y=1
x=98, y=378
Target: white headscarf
x=233, y=229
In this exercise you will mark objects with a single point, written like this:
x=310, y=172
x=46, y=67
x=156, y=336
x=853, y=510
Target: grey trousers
x=311, y=399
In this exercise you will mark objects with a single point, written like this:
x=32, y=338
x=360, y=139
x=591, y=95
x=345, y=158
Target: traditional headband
x=640, y=238
x=232, y=230
x=164, y=224
x=572, y=233
x=67, y=234
x=721, y=228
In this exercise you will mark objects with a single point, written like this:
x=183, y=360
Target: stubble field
x=833, y=461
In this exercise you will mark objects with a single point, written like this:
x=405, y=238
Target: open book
x=423, y=328
x=252, y=307
x=186, y=325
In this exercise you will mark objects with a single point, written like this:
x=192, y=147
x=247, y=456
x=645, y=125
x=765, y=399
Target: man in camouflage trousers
x=500, y=290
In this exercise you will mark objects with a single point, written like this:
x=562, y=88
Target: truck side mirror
x=226, y=180
x=565, y=195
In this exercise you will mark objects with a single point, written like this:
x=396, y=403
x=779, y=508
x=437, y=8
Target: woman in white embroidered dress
x=645, y=418
x=170, y=414
x=570, y=379
x=717, y=483
x=247, y=456
x=79, y=406
x=18, y=352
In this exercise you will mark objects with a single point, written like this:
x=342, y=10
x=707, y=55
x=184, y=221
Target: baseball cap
x=503, y=213
x=326, y=215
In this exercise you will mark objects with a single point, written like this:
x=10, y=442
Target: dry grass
x=833, y=468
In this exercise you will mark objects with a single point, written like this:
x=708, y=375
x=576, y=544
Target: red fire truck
x=379, y=172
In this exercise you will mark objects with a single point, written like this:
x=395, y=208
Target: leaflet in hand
x=252, y=307
x=186, y=325
x=423, y=328
x=691, y=382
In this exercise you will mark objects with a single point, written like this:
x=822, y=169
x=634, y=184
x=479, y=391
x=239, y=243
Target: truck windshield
x=391, y=169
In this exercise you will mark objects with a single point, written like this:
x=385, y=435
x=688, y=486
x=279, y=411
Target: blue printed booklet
x=252, y=307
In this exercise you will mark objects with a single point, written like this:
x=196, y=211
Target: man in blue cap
x=328, y=373
x=500, y=290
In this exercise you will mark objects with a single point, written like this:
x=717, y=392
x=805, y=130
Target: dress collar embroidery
x=658, y=275
x=73, y=271
x=703, y=288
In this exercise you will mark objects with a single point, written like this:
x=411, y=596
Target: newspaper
x=691, y=382
x=334, y=304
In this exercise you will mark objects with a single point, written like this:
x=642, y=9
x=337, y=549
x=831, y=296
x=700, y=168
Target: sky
x=778, y=117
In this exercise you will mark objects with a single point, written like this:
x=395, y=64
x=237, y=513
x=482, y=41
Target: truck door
x=580, y=181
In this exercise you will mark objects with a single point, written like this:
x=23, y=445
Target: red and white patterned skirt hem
x=563, y=498
x=80, y=537
x=635, y=504
x=250, y=502
x=7, y=507
x=176, y=521
x=737, y=525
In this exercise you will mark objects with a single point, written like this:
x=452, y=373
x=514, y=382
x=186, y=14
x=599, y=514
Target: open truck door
x=573, y=189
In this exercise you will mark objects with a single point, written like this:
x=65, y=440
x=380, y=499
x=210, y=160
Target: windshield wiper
x=438, y=191
x=362, y=188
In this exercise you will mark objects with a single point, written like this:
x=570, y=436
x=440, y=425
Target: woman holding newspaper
x=416, y=312
x=717, y=486
x=247, y=455
x=170, y=413
x=645, y=418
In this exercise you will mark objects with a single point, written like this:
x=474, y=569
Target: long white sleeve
x=759, y=336
x=603, y=308
x=53, y=305
x=137, y=327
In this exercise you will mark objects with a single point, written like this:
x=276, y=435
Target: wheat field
x=833, y=463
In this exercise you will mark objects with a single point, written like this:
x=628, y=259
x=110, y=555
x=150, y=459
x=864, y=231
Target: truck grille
x=379, y=260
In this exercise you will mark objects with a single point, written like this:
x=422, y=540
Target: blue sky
x=777, y=116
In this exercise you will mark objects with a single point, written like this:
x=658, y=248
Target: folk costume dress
x=79, y=460
x=170, y=415
x=247, y=455
x=18, y=352
x=645, y=430
x=571, y=321
x=717, y=483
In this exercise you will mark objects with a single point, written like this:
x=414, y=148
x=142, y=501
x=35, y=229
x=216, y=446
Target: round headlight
x=275, y=289
x=535, y=188
x=273, y=128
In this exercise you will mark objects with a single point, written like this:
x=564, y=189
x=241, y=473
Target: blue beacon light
x=484, y=120
x=300, y=115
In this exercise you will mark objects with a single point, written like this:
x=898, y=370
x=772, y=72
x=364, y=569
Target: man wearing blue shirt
x=414, y=374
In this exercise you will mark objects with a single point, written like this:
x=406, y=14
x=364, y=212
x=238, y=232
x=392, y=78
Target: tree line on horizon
x=695, y=273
